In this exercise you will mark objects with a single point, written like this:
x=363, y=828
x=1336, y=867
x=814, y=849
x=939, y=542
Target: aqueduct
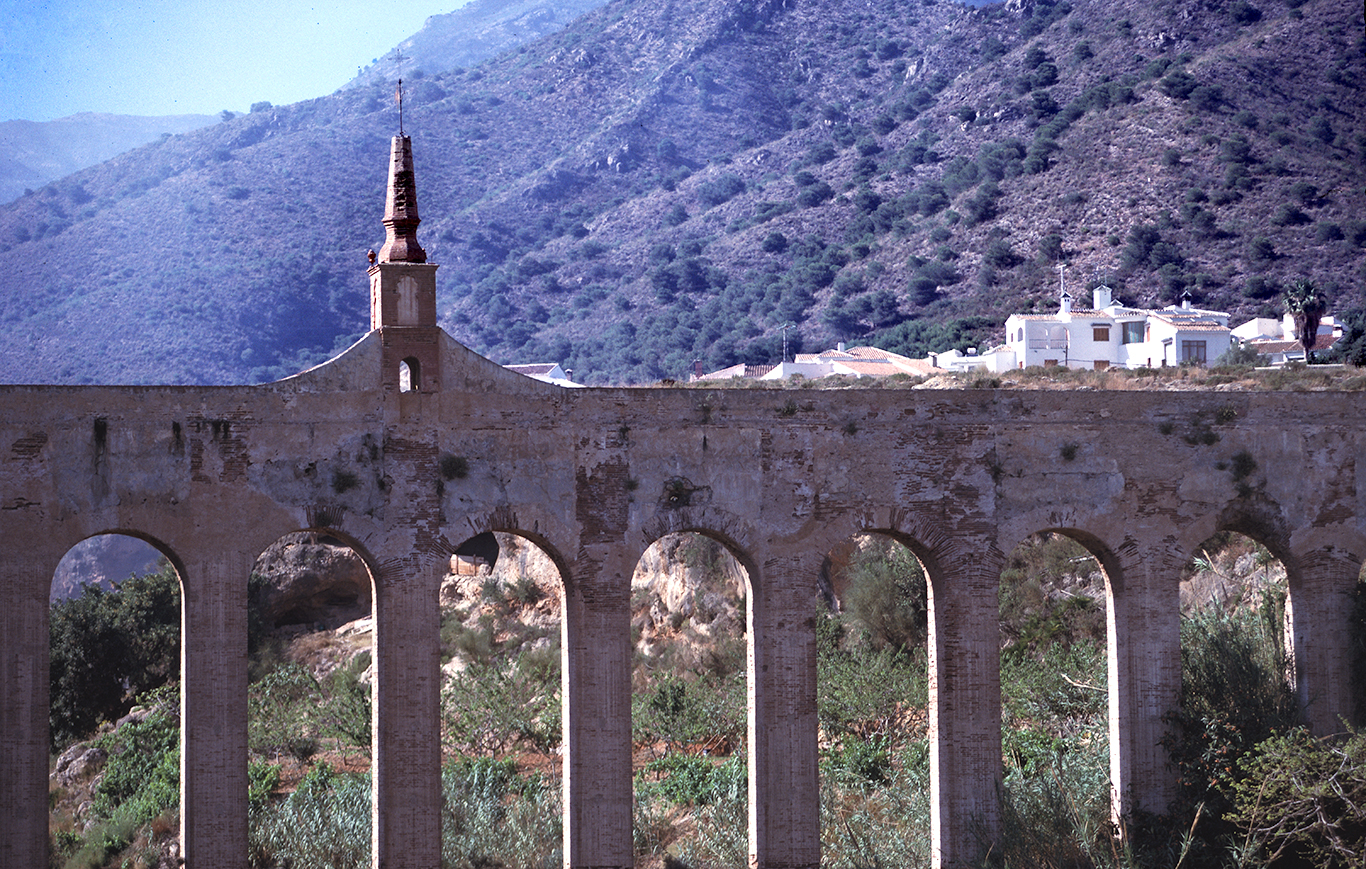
x=212, y=475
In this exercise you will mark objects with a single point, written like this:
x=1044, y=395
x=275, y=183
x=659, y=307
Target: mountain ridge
x=38, y=152
x=665, y=181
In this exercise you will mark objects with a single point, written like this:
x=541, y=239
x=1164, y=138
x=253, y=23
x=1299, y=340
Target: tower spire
x=403, y=286
x=400, y=208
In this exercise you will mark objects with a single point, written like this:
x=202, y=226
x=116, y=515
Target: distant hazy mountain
x=663, y=181
x=472, y=34
x=32, y=153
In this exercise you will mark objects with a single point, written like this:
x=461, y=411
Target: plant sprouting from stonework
x=454, y=467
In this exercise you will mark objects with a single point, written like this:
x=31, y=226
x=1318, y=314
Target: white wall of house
x=1117, y=336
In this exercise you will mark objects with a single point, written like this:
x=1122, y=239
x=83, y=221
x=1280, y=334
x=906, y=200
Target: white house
x=546, y=372
x=1111, y=334
x=1275, y=340
x=850, y=362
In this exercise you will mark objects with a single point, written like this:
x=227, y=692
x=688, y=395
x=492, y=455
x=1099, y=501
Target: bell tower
x=403, y=285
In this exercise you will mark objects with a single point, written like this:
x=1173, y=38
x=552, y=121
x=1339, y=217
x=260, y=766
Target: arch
x=163, y=549
x=502, y=626
x=962, y=565
x=109, y=645
x=730, y=530
x=410, y=375
x=692, y=650
x=1056, y=653
x=1109, y=560
x=536, y=528
x=872, y=693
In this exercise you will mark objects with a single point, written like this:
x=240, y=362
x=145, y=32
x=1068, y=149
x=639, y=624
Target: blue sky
x=172, y=57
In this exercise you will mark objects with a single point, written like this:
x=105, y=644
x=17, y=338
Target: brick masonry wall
x=214, y=475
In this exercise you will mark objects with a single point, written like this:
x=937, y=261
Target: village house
x=1275, y=340
x=546, y=372
x=1109, y=334
x=846, y=361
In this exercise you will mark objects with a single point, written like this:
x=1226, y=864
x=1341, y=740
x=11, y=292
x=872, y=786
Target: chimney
x=1101, y=297
x=1066, y=302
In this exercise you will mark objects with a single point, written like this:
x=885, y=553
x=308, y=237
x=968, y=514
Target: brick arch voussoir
x=945, y=549
x=1254, y=516
x=732, y=531
x=529, y=524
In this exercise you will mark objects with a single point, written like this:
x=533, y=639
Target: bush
x=281, y=713
x=1178, y=84
x=107, y=647
x=490, y=707
x=324, y=824
x=720, y=190
x=693, y=780
x=1298, y=800
x=815, y=194
x=1234, y=695
x=494, y=817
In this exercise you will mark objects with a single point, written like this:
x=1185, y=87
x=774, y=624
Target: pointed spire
x=400, y=208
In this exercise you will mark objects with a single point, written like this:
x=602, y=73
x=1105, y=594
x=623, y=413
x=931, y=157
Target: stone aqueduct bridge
x=213, y=475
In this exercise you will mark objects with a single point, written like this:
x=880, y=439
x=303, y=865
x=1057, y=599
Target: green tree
x=1307, y=305
x=107, y=647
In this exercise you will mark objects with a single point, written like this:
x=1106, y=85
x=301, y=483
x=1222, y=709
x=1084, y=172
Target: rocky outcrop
x=309, y=579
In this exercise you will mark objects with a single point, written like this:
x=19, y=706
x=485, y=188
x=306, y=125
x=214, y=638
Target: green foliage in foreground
x=108, y=647
x=492, y=816
x=1302, y=800
x=140, y=783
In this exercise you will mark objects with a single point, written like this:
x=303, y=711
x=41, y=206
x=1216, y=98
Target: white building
x=849, y=362
x=1111, y=334
x=546, y=372
x=1275, y=341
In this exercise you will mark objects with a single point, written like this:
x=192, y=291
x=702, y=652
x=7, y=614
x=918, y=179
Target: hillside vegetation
x=673, y=180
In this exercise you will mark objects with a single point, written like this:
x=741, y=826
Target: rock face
x=687, y=596
x=308, y=579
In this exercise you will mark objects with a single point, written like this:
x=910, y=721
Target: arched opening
x=689, y=703
x=1055, y=732
x=1237, y=674
x=409, y=374
x=501, y=705
x=872, y=698
x=114, y=642
x=310, y=666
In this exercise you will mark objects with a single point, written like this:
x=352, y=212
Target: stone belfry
x=403, y=285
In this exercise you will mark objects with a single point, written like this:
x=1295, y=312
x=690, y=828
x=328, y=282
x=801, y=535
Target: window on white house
x=1133, y=332
x=1100, y=333
x=1193, y=351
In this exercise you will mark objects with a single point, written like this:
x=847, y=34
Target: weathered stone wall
x=212, y=476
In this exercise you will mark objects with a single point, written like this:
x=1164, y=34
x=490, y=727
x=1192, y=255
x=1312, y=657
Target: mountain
x=32, y=153
x=665, y=181
x=471, y=34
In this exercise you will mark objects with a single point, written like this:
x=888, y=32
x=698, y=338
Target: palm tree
x=1307, y=305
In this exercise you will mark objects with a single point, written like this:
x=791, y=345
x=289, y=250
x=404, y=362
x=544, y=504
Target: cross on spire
x=398, y=91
